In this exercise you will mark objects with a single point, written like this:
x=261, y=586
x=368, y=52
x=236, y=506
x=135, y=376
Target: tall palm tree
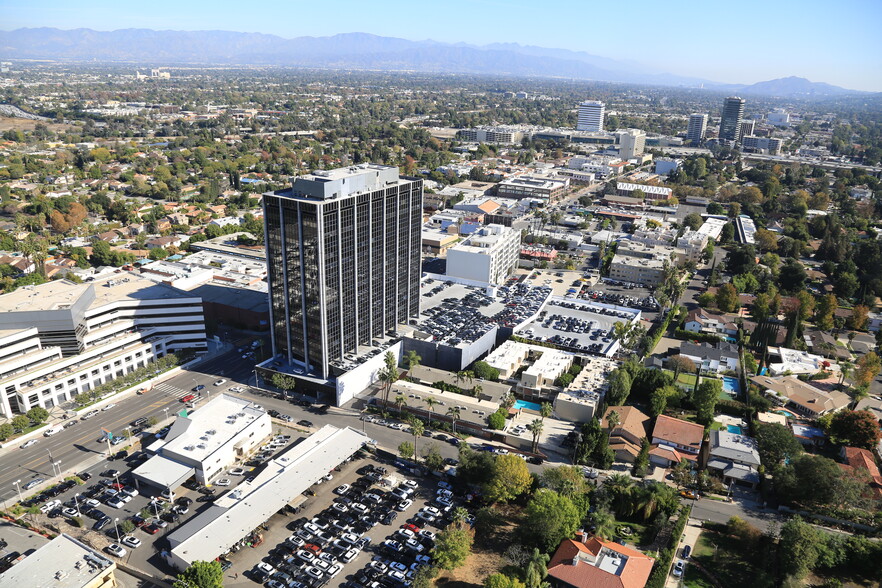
x=431, y=403
x=458, y=378
x=417, y=428
x=453, y=413
x=477, y=390
x=535, y=427
x=400, y=402
x=411, y=360
x=621, y=490
x=604, y=523
x=545, y=410
x=612, y=419
x=388, y=375
x=845, y=368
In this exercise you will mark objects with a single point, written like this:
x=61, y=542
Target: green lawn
x=683, y=380
x=693, y=578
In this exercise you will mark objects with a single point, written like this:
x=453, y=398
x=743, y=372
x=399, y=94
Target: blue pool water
x=734, y=429
x=764, y=371
x=786, y=413
x=731, y=385
x=519, y=404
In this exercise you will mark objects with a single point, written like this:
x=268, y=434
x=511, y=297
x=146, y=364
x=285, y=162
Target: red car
x=151, y=529
x=188, y=398
x=117, y=486
x=411, y=527
x=313, y=548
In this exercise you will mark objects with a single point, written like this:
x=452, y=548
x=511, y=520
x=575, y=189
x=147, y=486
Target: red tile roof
x=682, y=433
x=633, y=574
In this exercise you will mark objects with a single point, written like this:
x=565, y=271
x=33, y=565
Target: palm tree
x=388, y=375
x=411, y=360
x=651, y=498
x=536, y=569
x=621, y=489
x=535, y=427
x=431, y=403
x=844, y=371
x=604, y=523
x=507, y=400
x=400, y=402
x=458, y=378
x=612, y=419
x=476, y=391
x=453, y=413
x=417, y=428
x=545, y=410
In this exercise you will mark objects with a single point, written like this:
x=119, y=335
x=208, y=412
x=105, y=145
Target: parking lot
x=371, y=522
x=577, y=325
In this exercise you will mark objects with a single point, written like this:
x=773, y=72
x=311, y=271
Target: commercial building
x=64, y=562
x=590, y=117
x=747, y=128
x=488, y=255
x=594, y=562
x=649, y=192
x=532, y=186
x=343, y=248
x=697, y=128
x=631, y=143
x=769, y=145
x=730, y=122
x=712, y=227
x=779, y=118
x=637, y=263
x=60, y=339
x=664, y=166
x=205, y=442
x=235, y=515
x=578, y=402
x=500, y=135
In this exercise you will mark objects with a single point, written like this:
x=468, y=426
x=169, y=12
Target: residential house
x=170, y=241
x=674, y=440
x=163, y=224
x=178, y=218
x=802, y=396
x=22, y=264
x=793, y=361
x=702, y=321
x=712, y=358
x=808, y=436
x=862, y=463
x=136, y=229
x=734, y=457
x=625, y=437
x=597, y=563
x=107, y=237
x=826, y=345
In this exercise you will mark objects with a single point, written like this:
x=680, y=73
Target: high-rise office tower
x=730, y=122
x=631, y=143
x=697, y=128
x=590, y=116
x=747, y=129
x=343, y=253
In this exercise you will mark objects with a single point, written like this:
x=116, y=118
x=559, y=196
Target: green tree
x=500, y=580
x=388, y=375
x=475, y=467
x=411, y=360
x=826, y=311
x=619, y=387
x=604, y=523
x=551, y=518
x=799, y=546
x=6, y=431
x=658, y=400
x=432, y=458
x=405, y=449
x=38, y=414
x=485, y=371
x=535, y=427
x=705, y=400
x=566, y=480
x=641, y=463
x=157, y=253
x=454, y=413
x=201, y=574
x=537, y=569
x=867, y=369
x=497, y=420
x=453, y=546
x=400, y=402
x=727, y=298
x=511, y=478
x=776, y=444
x=283, y=382
x=424, y=576
x=21, y=422
x=856, y=428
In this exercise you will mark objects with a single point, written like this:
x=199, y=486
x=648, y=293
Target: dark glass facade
x=730, y=122
x=342, y=271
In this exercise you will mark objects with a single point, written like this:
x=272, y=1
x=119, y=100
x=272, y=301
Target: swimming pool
x=731, y=385
x=734, y=429
x=786, y=413
x=519, y=404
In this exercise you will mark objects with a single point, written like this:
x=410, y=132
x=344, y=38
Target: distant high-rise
x=697, y=128
x=343, y=253
x=747, y=128
x=730, y=122
x=590, y=116
x=631, y=143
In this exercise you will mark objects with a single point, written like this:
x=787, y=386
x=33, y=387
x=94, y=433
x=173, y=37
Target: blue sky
x=729, y=41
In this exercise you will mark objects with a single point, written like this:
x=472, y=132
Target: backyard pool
x=734, y=429
x=786, y=413
x=519, y=404
x=731, y=385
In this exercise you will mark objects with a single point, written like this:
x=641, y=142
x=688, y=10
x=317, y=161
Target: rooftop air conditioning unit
x=188, y=448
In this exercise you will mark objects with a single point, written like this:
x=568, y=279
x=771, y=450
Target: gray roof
x=708, y=350
x=729, y=446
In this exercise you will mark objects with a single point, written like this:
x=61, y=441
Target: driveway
x=690, y=538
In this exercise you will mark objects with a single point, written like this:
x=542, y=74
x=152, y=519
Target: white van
x=52, y=430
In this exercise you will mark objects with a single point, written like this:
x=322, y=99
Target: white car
x=70, y=512
x=404, y=505
x=109, y=406
x=223, y=482
x=412, y=484
x=342, y=489
x=350, y=555
x=115, y=549
x=131, y=541
x=116, y=502
x=49, y=506
x=397, y=426
x=431, y=510
x=679, y=567
x=314, y=572
x=334, y=570
x=427, y=534
x=236, y=472
x=220, y=382
x=30, y=443
x=266, y=568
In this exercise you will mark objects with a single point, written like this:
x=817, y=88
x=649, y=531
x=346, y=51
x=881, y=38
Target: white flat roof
x=163, y=472
x=63, y=562
x=210, y=426
x=239, y=512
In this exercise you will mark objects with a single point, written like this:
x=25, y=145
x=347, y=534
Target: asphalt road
x=79, y=445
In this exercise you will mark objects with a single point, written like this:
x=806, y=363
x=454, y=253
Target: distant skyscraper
x=697, y=128
x=730, y=122
x=343, y=253
x=747, y=128
x=631, y=143
x=590, y=116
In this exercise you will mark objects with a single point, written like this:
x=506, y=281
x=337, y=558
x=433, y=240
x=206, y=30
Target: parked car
x=116, y=549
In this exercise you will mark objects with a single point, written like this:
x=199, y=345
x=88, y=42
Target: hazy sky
x=728, y=41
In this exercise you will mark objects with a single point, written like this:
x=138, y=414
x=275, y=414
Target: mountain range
x=360, y=51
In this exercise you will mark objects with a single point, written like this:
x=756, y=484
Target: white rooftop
x=210, y=426
x=64, y=562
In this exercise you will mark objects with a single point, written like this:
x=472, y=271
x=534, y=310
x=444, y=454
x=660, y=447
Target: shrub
x=496, y=420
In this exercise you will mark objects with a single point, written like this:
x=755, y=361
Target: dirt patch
x=8, y=123
x=486, y=557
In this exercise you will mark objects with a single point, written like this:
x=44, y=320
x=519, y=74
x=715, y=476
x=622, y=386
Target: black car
x=184, y=501
x=170, y=517
x=139, y=422
x=84, y=476
x=273, y=413
x=305, y=423
x=101, y=523
x=225, y=564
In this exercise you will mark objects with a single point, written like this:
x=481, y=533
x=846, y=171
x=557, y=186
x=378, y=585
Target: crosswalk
x=171, y=391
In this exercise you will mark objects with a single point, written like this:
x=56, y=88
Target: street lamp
x=17, y=484
x=116, y=524
x=166, y=412
x=77, y=503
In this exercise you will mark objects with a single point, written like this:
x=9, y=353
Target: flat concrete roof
x=239, y=512
x=63, y=562
x=163, y=472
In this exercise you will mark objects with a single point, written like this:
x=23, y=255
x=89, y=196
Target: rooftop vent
x=188, y=448
x=201, y=446
x=210, y=432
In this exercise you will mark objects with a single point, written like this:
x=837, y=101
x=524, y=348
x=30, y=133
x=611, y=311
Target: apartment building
x=61, y=339
x=533, y=186
x=590, y=117
x=488, y=255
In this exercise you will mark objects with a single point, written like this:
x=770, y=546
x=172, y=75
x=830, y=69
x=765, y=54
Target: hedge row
x=659, y=574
